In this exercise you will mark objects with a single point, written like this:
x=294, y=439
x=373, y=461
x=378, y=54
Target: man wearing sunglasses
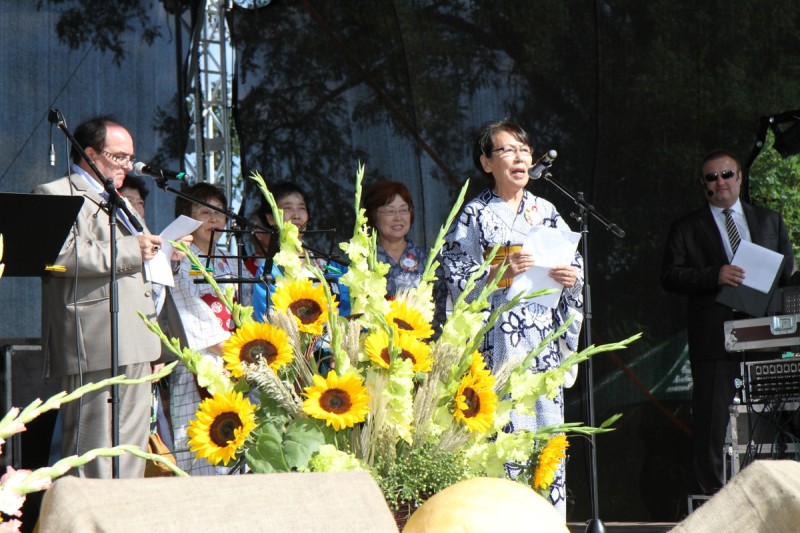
x=696, y=262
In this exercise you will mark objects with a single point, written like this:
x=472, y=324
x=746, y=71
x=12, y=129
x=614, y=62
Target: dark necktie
x=733, y=233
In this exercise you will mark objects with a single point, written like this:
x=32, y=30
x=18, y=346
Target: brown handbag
x=153, y=468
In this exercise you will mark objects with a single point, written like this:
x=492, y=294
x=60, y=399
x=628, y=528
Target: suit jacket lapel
x=753, y=224
x=135, y=214
x=79, y=183
x=711, y=231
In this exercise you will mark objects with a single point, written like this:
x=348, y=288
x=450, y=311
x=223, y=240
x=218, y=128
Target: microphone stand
x=330, y=255
x=114, y=202
x=242, y=224
x=239, y=224
x=585, y=209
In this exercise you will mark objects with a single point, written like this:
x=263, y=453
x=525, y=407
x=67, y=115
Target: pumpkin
x=485, y=504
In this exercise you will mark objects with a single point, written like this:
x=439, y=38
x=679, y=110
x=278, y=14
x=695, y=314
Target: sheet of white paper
x=759, y=264
x=159, y=268
x=550, y=247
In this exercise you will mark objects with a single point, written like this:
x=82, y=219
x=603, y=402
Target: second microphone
x=140, y=169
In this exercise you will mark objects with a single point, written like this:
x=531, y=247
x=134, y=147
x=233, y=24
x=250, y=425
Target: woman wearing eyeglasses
x=205, y=323
x=390, y=211
x=502, y=215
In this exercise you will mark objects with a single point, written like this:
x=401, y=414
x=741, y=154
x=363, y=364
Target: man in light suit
x=697, y=263
x=75, y=305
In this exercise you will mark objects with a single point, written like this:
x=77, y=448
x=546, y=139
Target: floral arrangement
x=310, y=390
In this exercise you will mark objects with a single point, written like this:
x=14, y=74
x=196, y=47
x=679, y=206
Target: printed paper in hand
x=550, y=247
x=160, y=270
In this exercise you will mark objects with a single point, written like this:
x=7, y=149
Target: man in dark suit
x=696, y=263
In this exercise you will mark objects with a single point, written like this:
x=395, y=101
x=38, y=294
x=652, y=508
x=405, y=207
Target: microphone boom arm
x=579, y=199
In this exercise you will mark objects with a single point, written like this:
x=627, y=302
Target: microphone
x=53, y=118
x=542, y=164
x=140, y=169
x=710, y=193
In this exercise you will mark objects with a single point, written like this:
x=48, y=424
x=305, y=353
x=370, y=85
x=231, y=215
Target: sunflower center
x=335, y=401
x=258, y=349
x=473, y=402
x=405, y=354
x=306, y=309
x=221, y=430
x=402, y=324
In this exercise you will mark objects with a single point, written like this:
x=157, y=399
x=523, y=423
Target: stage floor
x=625, y=527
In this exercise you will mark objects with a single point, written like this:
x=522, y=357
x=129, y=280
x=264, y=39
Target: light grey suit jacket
x=76, y=319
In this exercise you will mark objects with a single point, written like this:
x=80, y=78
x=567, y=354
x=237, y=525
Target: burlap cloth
x=764, y=497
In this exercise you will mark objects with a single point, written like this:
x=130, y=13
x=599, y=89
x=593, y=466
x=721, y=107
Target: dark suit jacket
x=693, y=256
x=89, y=245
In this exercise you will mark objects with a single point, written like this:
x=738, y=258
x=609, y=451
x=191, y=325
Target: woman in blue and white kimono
x=503, y=215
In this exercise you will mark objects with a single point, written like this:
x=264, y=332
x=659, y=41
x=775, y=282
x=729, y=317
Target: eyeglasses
x=205, y=213
x=510, y=151
x=121, y=160
x=392, y=212
x=725, y=174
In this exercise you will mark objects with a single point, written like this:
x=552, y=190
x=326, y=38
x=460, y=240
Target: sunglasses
x=726, y=175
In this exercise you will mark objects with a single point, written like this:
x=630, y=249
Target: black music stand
x=34, y=228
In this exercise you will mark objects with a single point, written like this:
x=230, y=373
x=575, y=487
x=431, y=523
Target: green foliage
x=285, y=450
x=426, y=471
x=775, y=183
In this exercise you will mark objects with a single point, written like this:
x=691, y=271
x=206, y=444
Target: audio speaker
x=22, y=383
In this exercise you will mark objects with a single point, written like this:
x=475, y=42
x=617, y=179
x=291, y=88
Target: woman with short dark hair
x=390, y=211
x=205, y=321
x=502, y=216
x=294, y=203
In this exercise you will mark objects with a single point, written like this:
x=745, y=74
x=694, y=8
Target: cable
x=52, y=103
x=75, y=301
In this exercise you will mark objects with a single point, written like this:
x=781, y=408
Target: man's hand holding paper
x=180, y=229
x=761, y=264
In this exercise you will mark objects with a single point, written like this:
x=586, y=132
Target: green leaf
x=278, y=450
x=272, y=409
x=267, y=454
x=610, y=421
x=302, y=440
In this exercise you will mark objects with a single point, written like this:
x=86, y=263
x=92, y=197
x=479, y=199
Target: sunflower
x=377, y=347
x=409, y=319
x=307, y=302
x=223, y=424
x=340, y=401
x=552, y=455
x=476, y=401
x=478, y=364
x=255, y=341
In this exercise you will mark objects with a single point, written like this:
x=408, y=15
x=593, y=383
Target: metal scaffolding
x=207, y=91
